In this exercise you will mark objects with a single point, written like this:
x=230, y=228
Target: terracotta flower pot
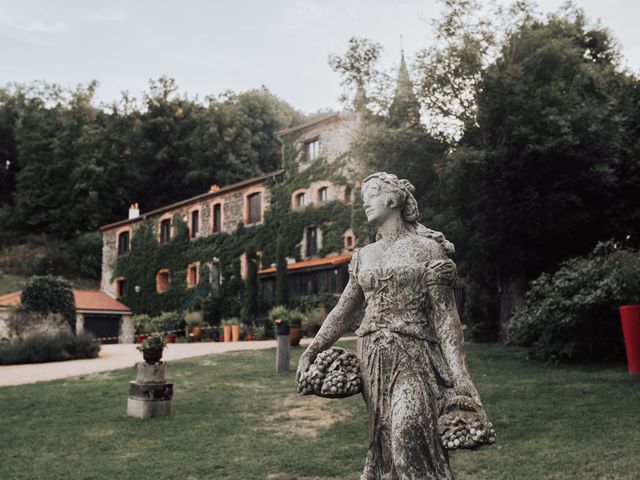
x=196, y=331
x=630, y=317
x=295, y=334
x=249, y=337
x=235, y=332
x=171, y=338
x=227, y=333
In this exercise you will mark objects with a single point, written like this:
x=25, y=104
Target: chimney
x=214, y=188
x=134, y=211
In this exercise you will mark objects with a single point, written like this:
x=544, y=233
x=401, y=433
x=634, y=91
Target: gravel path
x=114, y=357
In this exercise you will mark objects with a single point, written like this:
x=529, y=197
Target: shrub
x=42, y=348
x=572, y=314
x=141, y=323
x=167, y=321
x=48, y=294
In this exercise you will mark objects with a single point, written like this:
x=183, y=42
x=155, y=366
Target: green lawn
x=236, y=419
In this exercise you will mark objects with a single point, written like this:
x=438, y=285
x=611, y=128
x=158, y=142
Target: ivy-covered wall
x=281, y=225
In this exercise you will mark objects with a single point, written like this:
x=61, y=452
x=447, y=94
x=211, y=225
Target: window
x=254, y=210
x=121, y=287
x=323, y=194
x=162, y=280
x=217, y=218
x=347, y=194
x=192, y=276
x=195, y=223
x=165, y=231
x=348, y=242
x=312, y=241
x=311, y=150
x=123, y=243
x=299, y=200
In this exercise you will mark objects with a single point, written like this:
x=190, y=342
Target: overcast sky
x=213, y=46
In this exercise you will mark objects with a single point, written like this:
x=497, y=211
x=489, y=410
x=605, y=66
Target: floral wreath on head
x=410, y=211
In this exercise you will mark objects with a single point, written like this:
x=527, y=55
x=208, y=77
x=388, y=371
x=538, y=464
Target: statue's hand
x=467, y=389
x=306, y=359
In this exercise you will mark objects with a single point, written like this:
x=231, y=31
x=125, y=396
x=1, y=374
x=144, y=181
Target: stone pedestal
x=283, y=354
x=150, y=395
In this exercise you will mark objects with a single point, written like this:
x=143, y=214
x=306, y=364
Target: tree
x=544, y=157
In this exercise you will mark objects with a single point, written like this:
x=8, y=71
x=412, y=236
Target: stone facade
x=328, y=138
x=234, y=209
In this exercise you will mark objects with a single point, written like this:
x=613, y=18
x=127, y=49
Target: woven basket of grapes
x=335, y=373
x=463, y=426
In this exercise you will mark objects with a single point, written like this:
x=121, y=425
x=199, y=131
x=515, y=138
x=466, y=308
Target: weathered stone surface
x=151, y=373
x=409, y=342
x=150, y=395
x=151, y=391
x=146, y=409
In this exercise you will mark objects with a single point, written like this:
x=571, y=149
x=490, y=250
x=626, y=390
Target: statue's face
x=377, y=200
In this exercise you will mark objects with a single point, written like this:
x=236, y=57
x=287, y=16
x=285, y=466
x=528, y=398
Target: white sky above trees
x=213, y=46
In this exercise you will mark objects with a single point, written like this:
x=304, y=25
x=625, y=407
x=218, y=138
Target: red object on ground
x=630, y=316
x=171, y=338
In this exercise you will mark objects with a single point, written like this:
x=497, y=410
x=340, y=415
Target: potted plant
x=279, y=316
x=260, y=333
x=152, y=347
x=295, y=327
x=194, y=322
x=246, y=333
x=140, y=323
x=313, y=321
x=168, y=322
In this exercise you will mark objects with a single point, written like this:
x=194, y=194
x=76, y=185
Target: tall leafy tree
x=535, y=177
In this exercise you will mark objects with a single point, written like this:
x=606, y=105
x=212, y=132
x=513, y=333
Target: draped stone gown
x=405, y=377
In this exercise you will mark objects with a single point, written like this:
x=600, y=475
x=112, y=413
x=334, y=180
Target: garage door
x=103, y=326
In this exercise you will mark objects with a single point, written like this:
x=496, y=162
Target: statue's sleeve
x=354, y=266
x=442, y=272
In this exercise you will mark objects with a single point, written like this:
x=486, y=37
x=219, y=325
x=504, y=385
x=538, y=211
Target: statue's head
x=384, y=195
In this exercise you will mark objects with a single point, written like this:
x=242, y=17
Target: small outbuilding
x=96, y=312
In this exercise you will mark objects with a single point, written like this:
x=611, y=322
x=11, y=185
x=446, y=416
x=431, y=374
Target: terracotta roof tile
x=93, y=300
x=84, y=299
x=10, y=299
x=312, y=262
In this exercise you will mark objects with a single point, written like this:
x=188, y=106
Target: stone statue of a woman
x=409, y=342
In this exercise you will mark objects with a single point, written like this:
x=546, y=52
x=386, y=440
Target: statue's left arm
x=448, y=326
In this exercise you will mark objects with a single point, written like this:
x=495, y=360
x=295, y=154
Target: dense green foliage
x=70, y=165
x=541, y=123
x=42, y=348
x=48, y=294
x=572, y=314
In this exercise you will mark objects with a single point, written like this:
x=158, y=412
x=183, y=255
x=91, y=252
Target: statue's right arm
x=334, y=325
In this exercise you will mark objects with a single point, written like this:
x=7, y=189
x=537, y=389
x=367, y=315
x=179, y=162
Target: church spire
x=405, y=108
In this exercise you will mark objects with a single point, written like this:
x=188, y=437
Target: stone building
x=223, y=209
